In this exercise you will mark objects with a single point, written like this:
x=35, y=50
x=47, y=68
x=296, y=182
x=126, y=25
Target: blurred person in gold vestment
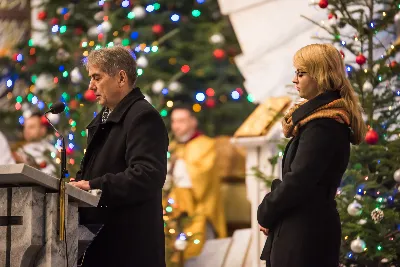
x=195, y=180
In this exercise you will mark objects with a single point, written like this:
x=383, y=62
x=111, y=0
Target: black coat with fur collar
x=126, y=158
x=301, y=210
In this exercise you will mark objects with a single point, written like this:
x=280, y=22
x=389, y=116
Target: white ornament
x=333, y=21
x=147, y=97
x=27, y=114
x=384, y=260
x=139, y=12
x=25, y=107
x=76, y=76
x=354, y=208
x=376, y=68
x=45, y=81
x=377, y=215
x=217, y=38
x=396, y=176
x=54, y=118
x=397, y=17
x=62, y=55
x=93, y=31
x=57, y=40
x=117, y=41
x=175, y=86
x=99, y=16
x=142, y=62
x=358, y=245
x=180, y=244
x=368, y=87
x=106, y=26
x=157, y=86
x=362, y=221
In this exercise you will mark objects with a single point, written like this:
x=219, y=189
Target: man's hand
x=84, y=185
x=264, y=230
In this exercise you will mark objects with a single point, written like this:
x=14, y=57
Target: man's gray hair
x=113, y=59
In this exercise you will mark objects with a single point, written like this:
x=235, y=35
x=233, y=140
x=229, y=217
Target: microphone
x=56, y=108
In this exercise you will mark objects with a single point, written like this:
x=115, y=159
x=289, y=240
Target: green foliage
x=180, y=43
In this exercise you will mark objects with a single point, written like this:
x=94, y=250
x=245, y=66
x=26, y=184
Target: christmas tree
x=184, y=52
x=367, y=35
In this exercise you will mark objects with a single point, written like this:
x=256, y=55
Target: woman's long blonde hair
x=324, y=63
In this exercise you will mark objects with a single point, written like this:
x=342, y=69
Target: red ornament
x=43, y=164
x=361, y=59
x=371, y=137
x=42, y=15
x=157, y=29
x=69, y=151
x=54, y=21
x=323, y=3
x=78, y=31
x=219, y=53
x=341, y=53
x=185, y=68
x=393, y=64
x=90, y=96
x=210, y=102
x=73, y=104
x=332, y=15
x=44, y=121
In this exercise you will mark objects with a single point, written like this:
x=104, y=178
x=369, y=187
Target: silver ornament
x=181, y=242
x=139, y=12
x=354, y=208
x=396, y=176
x=217, y=38
x=175, y=86
x=105, y=26
x=357, y=245
x=157, y=86
x=368, y=87
x=142, y=62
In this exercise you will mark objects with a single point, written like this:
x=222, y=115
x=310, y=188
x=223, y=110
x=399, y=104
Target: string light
x=200, y=97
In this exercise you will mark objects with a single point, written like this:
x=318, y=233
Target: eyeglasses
x=299, y=73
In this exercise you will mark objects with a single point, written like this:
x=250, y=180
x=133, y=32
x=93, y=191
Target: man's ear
x=122, y=78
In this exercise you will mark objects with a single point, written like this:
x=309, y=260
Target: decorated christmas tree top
x=184, y=52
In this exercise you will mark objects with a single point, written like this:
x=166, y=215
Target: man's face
x=182, y=123
x=106, y=88
x=34, y=130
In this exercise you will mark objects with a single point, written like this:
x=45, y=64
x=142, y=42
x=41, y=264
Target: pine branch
x=319, y=25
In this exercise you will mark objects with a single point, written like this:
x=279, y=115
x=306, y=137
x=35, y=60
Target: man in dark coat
x=126, y=159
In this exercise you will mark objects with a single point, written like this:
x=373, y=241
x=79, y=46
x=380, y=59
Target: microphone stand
x=63, y=174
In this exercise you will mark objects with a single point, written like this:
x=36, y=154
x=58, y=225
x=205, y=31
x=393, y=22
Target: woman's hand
x=264, y=230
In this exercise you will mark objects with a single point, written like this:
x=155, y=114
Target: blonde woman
x=299, y=215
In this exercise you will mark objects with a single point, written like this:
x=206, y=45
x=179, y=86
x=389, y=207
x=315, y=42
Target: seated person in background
x=36, y=150
x=5, y=155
